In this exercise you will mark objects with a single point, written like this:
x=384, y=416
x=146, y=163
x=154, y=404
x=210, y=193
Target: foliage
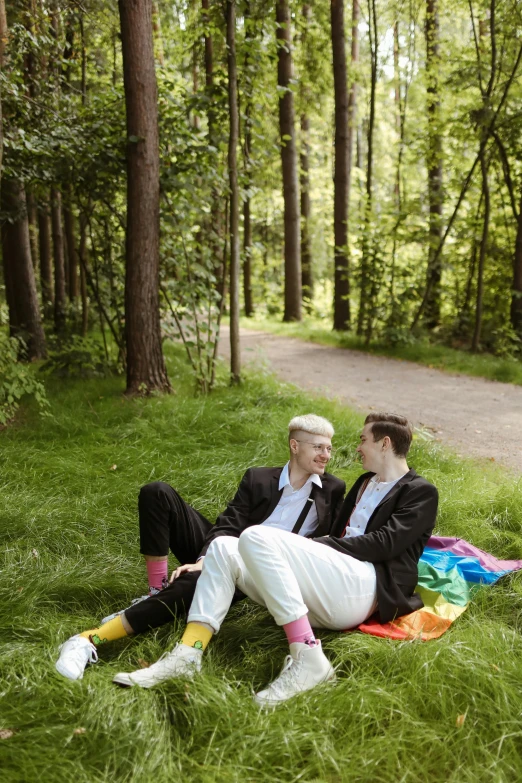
x=78, y=357
x=70, y=555
x=17, y=381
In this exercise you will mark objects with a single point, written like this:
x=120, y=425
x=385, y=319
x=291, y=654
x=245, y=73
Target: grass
x=70, y=555
x=484, y=365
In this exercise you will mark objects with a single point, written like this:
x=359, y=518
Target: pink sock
x=300, y=631
x=157, y=571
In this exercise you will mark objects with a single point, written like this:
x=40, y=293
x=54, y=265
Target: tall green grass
x=70, y=555
x=482, y=365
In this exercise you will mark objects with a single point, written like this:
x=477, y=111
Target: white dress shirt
x=291, y=503
x=371, y=497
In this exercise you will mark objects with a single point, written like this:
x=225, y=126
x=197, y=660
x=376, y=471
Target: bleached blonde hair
x=315, y=425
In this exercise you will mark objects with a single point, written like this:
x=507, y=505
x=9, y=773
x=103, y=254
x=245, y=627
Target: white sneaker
x=182, y=661
x=75, y=654
x=304, y=668
x=152, y=591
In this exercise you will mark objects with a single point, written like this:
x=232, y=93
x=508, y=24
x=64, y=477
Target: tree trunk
x=46, y=265
x=3, y=40
x=364, y=315
x=292, y=242
x=145, y=364
x=158, y=36
x=307, y=278
x=516, y=297
x=247, y=221
x=482, y=253
x=82, y=257
x=435, y=195
x=20, y=283
x=341, y=175
x=59, y=261
x=72, y=252
x=235, y=354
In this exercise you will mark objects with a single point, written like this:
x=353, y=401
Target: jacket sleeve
x=409, y=521
x=235, y=518
x=336, y=502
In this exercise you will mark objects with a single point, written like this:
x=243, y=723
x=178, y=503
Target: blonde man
x=299, y=498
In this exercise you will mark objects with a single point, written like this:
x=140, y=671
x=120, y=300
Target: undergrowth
x=69, y=535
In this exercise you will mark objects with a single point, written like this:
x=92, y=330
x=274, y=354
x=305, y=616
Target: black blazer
x=257, y=496
x=394, y=540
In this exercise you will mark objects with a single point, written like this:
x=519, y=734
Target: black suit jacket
x=257, y=496
x=394, y=540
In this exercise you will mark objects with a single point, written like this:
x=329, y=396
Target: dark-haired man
x=368, y=562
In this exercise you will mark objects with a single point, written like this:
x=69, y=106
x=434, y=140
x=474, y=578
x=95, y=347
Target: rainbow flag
x=450, y=571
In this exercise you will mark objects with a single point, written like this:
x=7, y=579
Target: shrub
x=17, y=380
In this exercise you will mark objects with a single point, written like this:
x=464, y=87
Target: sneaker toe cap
x=69, y=670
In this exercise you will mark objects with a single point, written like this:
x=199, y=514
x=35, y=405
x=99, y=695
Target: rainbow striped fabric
x=450, y=570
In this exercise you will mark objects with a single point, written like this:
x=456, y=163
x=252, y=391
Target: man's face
x=311, y=452
x=370, y=450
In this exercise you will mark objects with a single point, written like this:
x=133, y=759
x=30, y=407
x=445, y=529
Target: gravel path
x=474, y=416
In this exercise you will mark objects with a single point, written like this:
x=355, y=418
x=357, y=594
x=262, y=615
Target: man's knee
x=256, y=536
x=222, y=547
x=154, y=493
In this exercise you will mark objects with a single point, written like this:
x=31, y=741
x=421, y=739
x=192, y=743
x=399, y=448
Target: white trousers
x=292, y=576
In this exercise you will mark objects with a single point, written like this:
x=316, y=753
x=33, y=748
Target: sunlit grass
x=482, y=365
x=70, y=554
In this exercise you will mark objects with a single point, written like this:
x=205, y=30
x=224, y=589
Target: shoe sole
x=123, y=682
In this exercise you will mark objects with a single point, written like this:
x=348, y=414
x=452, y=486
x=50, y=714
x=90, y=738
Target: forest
x=172, y=174
x=165, y=165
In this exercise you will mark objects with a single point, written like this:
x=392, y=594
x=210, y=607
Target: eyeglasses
x=318, y=447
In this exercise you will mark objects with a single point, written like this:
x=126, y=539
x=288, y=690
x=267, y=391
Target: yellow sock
x=197, y=636
x=108, y=632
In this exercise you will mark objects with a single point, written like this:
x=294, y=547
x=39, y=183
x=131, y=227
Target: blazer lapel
x=391, y=494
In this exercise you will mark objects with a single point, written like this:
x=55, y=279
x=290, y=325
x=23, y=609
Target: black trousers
x=167, y=522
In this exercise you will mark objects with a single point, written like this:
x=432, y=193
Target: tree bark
x=341, y=173
x=72, y=252
x=307, y=274
x=247, y=216
x=482, y=254
x=516, y=296
x=3, y=41
x=235, y=353
x=435, y=195
x=292, y=241
x=145, y=363
x=32, y=222
x=82, y=257
x=307, y=277
x=59, y=261
x=364, y=316
x=20, y=283
x=46, y=265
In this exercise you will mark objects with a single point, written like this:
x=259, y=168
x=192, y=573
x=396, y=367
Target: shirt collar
x=284, y=478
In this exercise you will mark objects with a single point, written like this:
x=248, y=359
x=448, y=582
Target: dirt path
x=475, y=417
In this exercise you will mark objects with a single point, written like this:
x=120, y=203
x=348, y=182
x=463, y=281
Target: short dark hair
x=397, y=428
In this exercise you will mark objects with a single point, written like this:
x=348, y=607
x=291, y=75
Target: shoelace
x=163, y=661
x=78, y=644
x=93, y=657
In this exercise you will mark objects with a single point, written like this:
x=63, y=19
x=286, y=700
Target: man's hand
x=187, y=567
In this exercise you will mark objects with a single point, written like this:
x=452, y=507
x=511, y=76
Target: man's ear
x=386, y=443
x=293, y=445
